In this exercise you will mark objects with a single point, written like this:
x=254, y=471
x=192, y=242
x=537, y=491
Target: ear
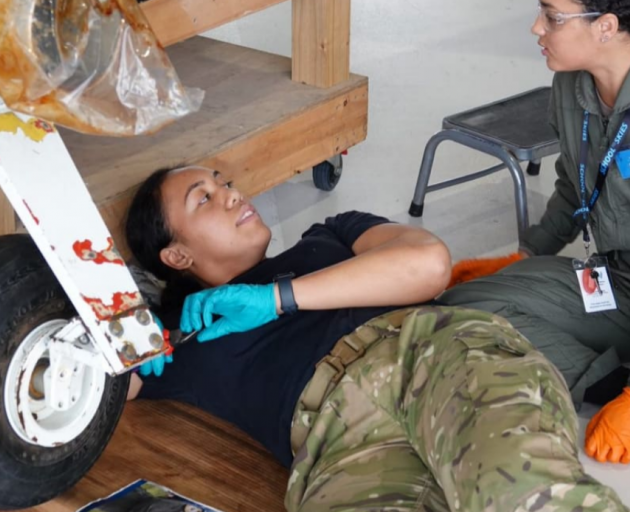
x=176, y=257
x=607, y=27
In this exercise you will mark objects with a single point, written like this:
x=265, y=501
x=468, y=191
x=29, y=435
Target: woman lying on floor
x=424, y=408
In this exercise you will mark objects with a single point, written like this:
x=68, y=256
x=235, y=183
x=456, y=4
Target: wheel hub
x=32, y=391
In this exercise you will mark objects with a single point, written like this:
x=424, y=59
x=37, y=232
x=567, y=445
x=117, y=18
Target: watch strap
x=285, y=289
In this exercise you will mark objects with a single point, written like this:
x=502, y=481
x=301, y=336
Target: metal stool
x=513, y=130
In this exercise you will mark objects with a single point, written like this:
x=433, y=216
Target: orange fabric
x=466, y=270
x=608, y=433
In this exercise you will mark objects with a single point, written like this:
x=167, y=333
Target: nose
x=538, y=28
x=233, y=198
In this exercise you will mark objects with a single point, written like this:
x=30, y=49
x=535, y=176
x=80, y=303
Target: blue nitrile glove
x=156, y=365
x=243, y=307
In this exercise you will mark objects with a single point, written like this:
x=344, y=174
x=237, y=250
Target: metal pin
x=156, y=341
x=116, y=328
x=129, y=352
x=143, y=317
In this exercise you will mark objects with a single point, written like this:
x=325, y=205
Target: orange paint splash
x=85, y=252
x=120, y=303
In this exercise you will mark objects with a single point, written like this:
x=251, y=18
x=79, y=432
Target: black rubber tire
x=325, y=176
x=29, y=296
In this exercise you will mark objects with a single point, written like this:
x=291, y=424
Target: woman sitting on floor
x=373, y=407
x=575, y=323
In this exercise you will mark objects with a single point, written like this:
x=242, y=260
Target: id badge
x=595, y=284
x=623, y=163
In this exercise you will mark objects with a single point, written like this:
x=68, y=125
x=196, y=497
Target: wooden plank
x=255, y=125
x=187, y=450
x=321, y=42
x=176, y=20
x=279, y=154
x=7, y=216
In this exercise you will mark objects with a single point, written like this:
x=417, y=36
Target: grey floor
x=425, y=60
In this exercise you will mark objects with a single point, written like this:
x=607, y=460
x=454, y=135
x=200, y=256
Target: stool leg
x=533, y=168
x=417, y=205
x=520, y=192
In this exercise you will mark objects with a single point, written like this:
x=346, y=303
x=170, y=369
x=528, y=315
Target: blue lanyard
x=582, y=214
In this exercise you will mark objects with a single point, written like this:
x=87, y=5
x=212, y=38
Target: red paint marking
x=43, y=125
x=85, y=252
x=31, y=212
x=166, y=334
x=120, y=303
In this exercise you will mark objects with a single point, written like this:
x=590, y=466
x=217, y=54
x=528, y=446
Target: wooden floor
x=188, y=451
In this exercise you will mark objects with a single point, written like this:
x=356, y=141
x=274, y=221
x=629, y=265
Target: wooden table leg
x=321, y=42
x=7, y=216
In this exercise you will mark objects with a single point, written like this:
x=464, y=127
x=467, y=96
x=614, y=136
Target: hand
x=608, y=432
x=467, y=270
x=156, y=365
x=243, y=307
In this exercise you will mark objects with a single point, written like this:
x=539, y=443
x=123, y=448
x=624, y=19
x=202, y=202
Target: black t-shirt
x=254, y=379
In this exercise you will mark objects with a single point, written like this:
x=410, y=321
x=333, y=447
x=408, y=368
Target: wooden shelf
x=176, y=20
x=180, y=447
x=256, y=126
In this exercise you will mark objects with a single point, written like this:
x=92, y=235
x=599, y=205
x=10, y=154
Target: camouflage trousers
x=450, y=410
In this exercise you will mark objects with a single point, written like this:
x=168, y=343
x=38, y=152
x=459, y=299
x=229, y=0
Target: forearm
x=557, y=226
x=135, y=385
x=407, y=270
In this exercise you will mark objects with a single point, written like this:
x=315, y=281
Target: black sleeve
x=346, y=227
x=171, y=385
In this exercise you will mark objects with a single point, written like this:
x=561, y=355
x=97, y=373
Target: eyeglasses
x=553, y=20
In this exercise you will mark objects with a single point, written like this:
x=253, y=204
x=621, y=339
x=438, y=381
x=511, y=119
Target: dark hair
x=148, y=233
x=620, y=8
x=146, y=228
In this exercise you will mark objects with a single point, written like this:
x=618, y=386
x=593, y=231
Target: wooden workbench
x=264, y=119
x=256, y=126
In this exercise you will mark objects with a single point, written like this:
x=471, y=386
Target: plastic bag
x=94, y=66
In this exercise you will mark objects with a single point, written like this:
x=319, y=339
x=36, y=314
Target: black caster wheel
x=533, y=168
x=327, y=174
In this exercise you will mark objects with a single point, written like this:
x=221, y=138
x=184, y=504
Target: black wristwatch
x=285, y=288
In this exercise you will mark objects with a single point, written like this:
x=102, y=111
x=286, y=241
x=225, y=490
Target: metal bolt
x=129, y=352
x=143, y=317
x=156, y=341
x=116, y=328
x=74, y=399
x=84, y=339
x=62, y=375
x=60, y=405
